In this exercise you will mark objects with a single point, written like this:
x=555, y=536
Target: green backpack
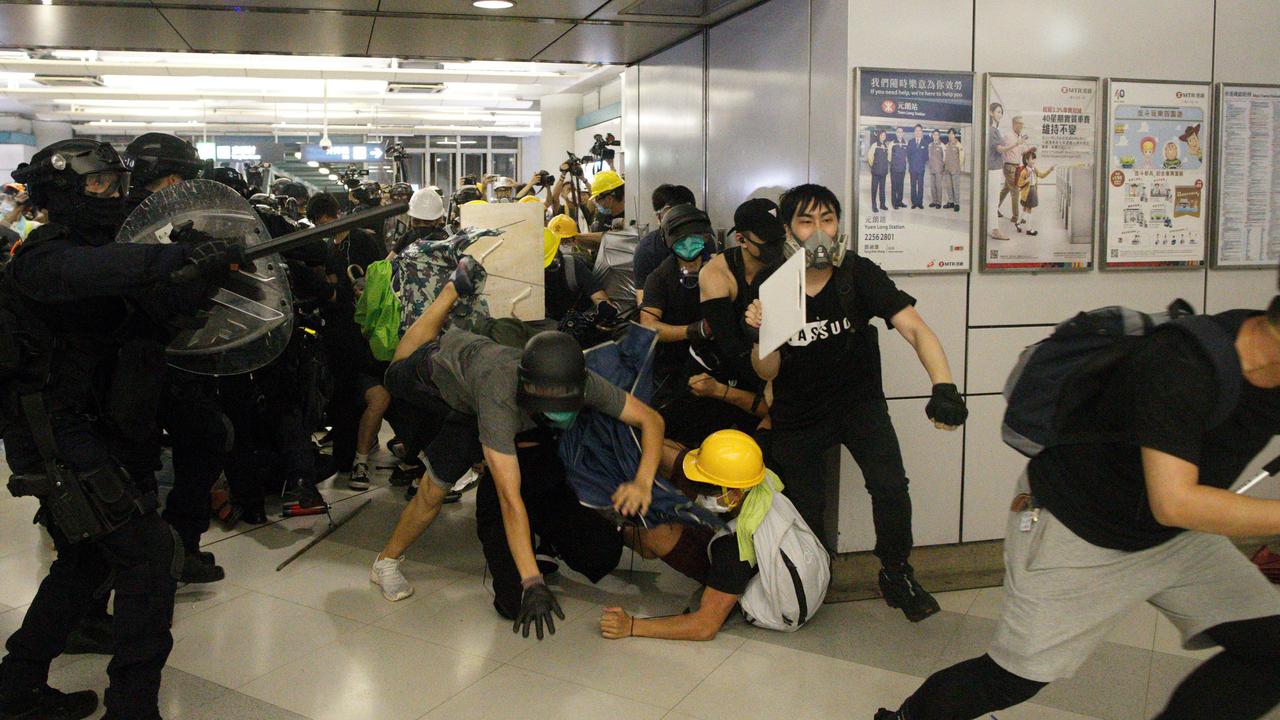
x=378, y=311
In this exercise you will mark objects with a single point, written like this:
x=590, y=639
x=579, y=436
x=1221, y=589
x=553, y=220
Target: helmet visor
x=106, y=184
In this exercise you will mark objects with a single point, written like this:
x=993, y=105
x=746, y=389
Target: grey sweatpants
x=1062, y=594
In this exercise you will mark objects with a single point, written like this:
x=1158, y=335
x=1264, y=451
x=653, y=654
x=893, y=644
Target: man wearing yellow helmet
x=568, y=283
x=729, y=477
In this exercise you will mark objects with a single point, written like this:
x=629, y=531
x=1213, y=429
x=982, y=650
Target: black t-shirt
x=361, y=247
x=728, y=573
x=649, y=254
x=679, y=306
x=822, y=368
x=559, y=298
x=1161, y=397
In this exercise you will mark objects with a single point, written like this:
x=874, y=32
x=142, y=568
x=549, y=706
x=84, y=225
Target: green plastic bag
x=378, y=311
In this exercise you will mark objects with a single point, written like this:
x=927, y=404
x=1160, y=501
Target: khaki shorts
x=1062, y=594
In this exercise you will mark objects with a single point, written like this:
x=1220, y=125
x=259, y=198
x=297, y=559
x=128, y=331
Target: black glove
x=606, y=312
x=215, y=257
x=467, y=276
x=536, y=606
x=752, y=334
x=946, y=406
x=700, y=330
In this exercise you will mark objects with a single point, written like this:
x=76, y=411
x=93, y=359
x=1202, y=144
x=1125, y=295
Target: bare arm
x=427, y=327
x=599, y=296
x=701, y=625
x=651, y=317
x=915, y=331
x=704, y=385
x=633, y=498
x=766, y=367
x=515, y=519
x=1179, y=500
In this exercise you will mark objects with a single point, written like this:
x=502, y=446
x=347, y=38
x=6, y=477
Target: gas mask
x=688, y=278
x=715, y=503
x=820, y=250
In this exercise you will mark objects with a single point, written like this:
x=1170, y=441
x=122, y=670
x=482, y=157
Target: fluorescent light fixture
x=47, y=2
x=323, y=171
x=493, y=4
x=297, y=156
x=334, y=178
x=313, y=163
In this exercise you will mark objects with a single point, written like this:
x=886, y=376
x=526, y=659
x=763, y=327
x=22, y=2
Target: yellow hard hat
x=604, y=181
x=476, y=202
x=550, y=246
x=728, y=458
x=563, y=226
x=530, y=199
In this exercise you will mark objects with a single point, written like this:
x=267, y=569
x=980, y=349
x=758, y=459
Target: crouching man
x=507, y=406
x=764, y=530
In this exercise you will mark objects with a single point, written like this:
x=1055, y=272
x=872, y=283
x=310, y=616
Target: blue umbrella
x=601, y=453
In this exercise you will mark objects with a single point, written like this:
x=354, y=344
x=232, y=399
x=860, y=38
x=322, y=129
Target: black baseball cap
x=759, y=216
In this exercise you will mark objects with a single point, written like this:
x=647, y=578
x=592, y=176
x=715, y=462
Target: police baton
x=297, y=239
x=1268, y=470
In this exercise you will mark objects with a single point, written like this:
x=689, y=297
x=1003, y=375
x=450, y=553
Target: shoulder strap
x=570, y=274
x=41, y=429
x=1219, y=346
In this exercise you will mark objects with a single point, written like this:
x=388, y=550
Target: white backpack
x=795, y=571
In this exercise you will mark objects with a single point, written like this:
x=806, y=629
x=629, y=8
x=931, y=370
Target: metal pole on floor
x=327, y=532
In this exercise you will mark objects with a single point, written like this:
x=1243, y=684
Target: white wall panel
x=1246, y=32
x=933, y=462
x=1022, y=299
x=991, y=471
x=993, y=353
x=672, y=144
x=758, y=106
x=631, y=132
x=829, y=101
x=941, y=301
x=923, y=34
x=1231, y=289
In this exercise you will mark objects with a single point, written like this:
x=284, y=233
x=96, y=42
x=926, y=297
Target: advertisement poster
x=1040, y=172
x=1155, y=191
x=1248, y=179
x=913, y=168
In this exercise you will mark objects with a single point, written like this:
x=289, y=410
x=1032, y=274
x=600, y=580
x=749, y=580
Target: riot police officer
x=64, y=302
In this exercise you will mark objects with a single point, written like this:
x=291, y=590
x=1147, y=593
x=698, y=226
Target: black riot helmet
x=401, y=192
x=230, y=177
x=552, y=375
x=681, y=221
x=264, y=200
x=156, y=155
x=82, y=183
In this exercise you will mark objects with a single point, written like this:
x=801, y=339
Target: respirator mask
x=820, y=249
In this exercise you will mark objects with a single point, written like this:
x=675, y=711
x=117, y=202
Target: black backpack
x=1079, y=355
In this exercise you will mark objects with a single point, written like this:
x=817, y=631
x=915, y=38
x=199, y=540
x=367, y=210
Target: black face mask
x=95, y=220
x=769, y=253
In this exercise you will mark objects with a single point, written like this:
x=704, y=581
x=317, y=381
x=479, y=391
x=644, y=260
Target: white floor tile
x=989, y=603
x=192, y=599
x=22, y=573
x=515, y=694
x=659, y=672
x=371, y=673
x=251, y=559
x=461, y=616
x=247, y=637
x=957, y=601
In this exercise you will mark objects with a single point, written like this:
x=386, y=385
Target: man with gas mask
x=64, y=303
x=827, y=388
x=691, y=385
x=507, y=407
x=503, y=190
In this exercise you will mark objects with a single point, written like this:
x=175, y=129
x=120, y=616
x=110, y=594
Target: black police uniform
x=79, y=294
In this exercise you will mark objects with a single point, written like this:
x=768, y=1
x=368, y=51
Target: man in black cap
x=506, y=406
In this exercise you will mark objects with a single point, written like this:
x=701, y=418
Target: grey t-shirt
x=477, y=376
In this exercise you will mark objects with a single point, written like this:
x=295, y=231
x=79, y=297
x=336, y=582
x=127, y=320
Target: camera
x=600, y=148
x=351, y=176
x=544, y=179
x=573, y=165
x=393, y=151
x=325, y=142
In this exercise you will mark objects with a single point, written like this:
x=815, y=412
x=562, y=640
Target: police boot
x=883, y=714
x=195, y=570
x=93, y=636
x=901, y=591
x=45, y=703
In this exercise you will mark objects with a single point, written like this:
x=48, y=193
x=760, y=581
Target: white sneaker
x=386, y=575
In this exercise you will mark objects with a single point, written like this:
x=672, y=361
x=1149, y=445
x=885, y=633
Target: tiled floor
x=317, y=640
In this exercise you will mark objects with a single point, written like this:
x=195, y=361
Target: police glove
x=467, y=276
x=536, y=606
x=946, y=407
x=700, y=330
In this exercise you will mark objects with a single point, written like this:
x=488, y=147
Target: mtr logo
x=888, y=107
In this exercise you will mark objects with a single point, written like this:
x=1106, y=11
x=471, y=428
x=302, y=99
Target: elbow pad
x=727, y=334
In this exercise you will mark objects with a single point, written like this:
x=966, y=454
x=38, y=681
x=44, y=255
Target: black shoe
x=883, y=714
x=207, y=558
x=901, y=591
x=92, y=637
x=45, y=703
x=409, y=492
x=402, y=475
x=398, y=448
x=305, y=496
x=253, y=515
x=196, y=571
x=956, y=208
x=451, y=497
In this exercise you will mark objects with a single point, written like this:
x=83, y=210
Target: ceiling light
x=297, y=156
x=333, y=178
x=313, y=163
x=323, y=171
x=493, y=4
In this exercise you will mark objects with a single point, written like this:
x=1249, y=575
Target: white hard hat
x=426, y=205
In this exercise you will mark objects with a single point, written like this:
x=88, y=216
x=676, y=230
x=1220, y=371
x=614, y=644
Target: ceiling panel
x=464, y=39
x=361, y=5
x=558, y=9
x=643, y=10
x=613, y=44
x=97, y=28
x=273, y=32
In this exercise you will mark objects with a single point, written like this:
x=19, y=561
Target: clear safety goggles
x=107, y=184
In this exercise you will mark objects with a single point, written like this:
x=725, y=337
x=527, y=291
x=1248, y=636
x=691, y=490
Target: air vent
x=68, y=80
x=676, y=8
x=409, y=88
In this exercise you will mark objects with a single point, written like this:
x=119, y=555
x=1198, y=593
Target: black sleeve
x=112, y=270
x=646, y=259
x=728, y=574
x=878, y=291
x=368, y=250
x=1174, y=391
x=657, y=291
x=588, y=285
x=727, y=335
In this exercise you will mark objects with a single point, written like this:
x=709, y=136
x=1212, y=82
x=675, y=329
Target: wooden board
x=513, y=259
